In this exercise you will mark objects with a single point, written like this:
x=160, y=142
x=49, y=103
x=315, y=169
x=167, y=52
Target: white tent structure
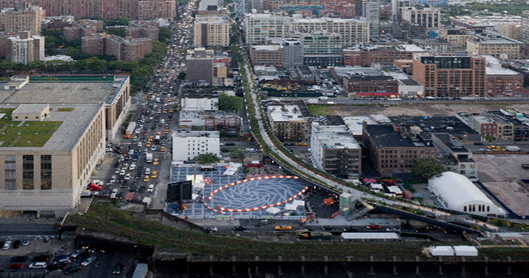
x=457, y=192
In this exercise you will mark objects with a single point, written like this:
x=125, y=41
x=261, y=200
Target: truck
x=149, y=157
x=130, y=129
x=306, y=234
x=513, y=148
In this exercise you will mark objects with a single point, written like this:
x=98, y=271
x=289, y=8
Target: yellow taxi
x=162, y=149
x=166, y=131
x=165, y=111
x=156, y=161
x=148, y=144
x=154, y=174
x=282, y=228
x=146, y=178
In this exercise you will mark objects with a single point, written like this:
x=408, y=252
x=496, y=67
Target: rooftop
x=184, y=134
x=454, y=144
x=65, y=90
x=438, y=124
x=386, y=137
x=61, y=130
x=271, y=47
x=334, y=137
x=285, y=113
x=494, y=67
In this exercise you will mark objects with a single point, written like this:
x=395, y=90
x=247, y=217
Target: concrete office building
x=292, y=53
x=334, y=150
x=188, y=144
x=22, y=17
x=352, y=31
x=454, y=155
x=371, y=11
x=494, y=44
x=112, y=91
x=287, y=122
x=428, y=17
x=450, y=76
x=365, y=55
x=457, y=37
x=211, y=31
x=24, y=48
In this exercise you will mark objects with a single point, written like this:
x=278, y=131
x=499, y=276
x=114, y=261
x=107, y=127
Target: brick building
x=450, y=76
x=22, y=17
x=267, y=55
x=361, y=85
x=287, y=122
x=105, y=9
x=122, y=49
x=502, y=82
x=365, y=55
x=392, y=152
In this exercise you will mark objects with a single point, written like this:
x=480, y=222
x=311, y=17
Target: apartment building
x=502, y=82
x=426, y=16
x=457, y=37
x=450, y=76
x=493, y=126
x=392, y=152
x=105, y=9
x=287, y=122
x=24, y=48
x=22, y=17
x=334, y=150
x=292, y=53
x=454, y=155
x=211, y=31
x=122, y=49
x=189, y=144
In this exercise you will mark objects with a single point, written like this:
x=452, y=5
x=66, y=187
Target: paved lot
x=500, y=174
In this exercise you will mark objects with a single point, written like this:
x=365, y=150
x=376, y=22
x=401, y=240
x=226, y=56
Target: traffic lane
x=105, y=264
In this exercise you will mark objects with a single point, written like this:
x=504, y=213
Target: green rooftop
x=29, y=134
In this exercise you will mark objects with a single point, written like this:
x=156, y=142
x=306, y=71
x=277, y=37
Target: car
x=212, y=229
x=118, y=269
x=156, y=161
x=141, y=189
x=328, y=228
x=154, y=174
x=146, y=178
x=373, y=227
x=350, y=229
x=230, y=144
x=310, y=229
x=147, y=171
x=89, y=260
x=16, y=244
x=282, y=228
x=132, y=167
x=72, y=269
x=76, y=253
x=7, y=244
x=15, y=266
x=162, y=149
x=239, y=228
x=153, y=148
x=57, y=266
x=151, y=188
x=38, y=265
x=392, y=229
x=113, y=179
x=128, y=176
x=41, y=258
x=19, y=259
x=122, y=172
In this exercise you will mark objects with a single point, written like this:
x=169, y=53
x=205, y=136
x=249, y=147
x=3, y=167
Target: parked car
x=15, y=266
x=373, y=227
x=151, y=188
x=7, y=244
x=350, y=229
x=41, y=258
x=239, y=228
x=38, y=265
x=118, y=269
x=89, y=260
x=72, y=269
x=211, y=229
x=19, y=259
x=328, y=228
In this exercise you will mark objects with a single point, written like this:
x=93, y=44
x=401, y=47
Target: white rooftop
x=285, y=113
x=494, y=67
x=335, y=137
x=412, y=48
x=354, y=123
x=271, y=47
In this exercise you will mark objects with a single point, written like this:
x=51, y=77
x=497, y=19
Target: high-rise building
x=258, y=27
x=525, y=27
x=292, y=53
x=267, y=55
x=25, y=48
x=22, y=17
x=490, y=43
x=450, y=76
x=371, y=11
x=322, y=49
x=211, y=31
x=122, y=49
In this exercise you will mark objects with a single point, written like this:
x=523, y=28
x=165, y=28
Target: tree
x=229, y=103
x=237, y=153
x=428, y=168
x=164, y=35
x=182, y=75
x=206, y=158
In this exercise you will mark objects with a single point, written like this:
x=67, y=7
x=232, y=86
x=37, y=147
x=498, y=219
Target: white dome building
x=457, y=192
